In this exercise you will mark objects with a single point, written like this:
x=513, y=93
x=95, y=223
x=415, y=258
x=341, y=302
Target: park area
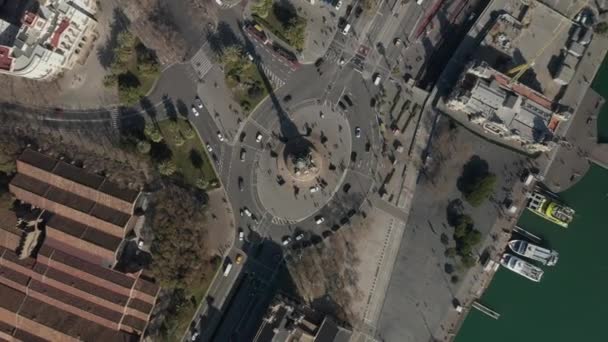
x=282, y=20
x=243, y=78
x=134, y=69
x=178, y=152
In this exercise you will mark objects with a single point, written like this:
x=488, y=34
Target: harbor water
x=571, y=301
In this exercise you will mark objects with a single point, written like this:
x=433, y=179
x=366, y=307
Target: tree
x=480, y=190
x=178, y=140
x=188, y=132
x=202, y=183
x=143, y=147
x=450, y=252
x=167, y=168
x=468, y=260
x=179, y=254
x=152, y=132
x=465, y=223
x=232, y=55
x=262, y=8
x=295, y=33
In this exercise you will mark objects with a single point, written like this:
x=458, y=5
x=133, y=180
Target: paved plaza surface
x=420, y=292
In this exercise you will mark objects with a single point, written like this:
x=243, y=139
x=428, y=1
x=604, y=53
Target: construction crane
x=524, y=67
x=518, y=68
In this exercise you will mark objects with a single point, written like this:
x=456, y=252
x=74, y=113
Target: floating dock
x=486, y=310
x=519, y=230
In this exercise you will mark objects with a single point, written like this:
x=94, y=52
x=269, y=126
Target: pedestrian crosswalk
x=276, y=81
x=201, y=63
x=282, y=221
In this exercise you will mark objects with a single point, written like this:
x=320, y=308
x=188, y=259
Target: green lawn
x=245, y=82
x=272, y=23
x=190, y=157
x=179, y=323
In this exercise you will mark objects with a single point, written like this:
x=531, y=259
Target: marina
x=568, y=305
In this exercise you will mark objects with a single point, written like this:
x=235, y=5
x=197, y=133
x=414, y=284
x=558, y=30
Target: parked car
x=348, y=100
x=358, y=11
x=338, y=5
x=220, y=136
x=349, y=9
x=300, y=236
x=358, y=132
x=194, y=111
x=319, y=219
x=286, y=241
x=246, y=211
x=240, y=182
x=238, y=259
x=342, y=105
x=209, y=148
x=243, y=154
x=314, y=189
x=241, y=234
x=258, y=137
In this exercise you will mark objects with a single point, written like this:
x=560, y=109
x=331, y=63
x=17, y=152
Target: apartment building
x=51, y=37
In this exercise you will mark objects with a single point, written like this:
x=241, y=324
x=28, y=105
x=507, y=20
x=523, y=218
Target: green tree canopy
x=179, y=254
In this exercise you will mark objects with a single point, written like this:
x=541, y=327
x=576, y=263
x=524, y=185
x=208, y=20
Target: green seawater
x=570, y=303
x=600, y=84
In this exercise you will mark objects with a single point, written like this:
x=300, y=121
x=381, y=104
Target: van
x=377, y=79
x=227, y=269
x=346, y=29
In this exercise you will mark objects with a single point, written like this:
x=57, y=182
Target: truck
x=227, y=269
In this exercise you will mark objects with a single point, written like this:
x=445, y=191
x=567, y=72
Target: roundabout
x=304, y=165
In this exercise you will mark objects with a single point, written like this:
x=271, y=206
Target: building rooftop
x=524, y=34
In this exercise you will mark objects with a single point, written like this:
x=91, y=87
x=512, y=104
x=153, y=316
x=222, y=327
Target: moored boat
x=521, y=267
x=550, y=209
x=529, y=250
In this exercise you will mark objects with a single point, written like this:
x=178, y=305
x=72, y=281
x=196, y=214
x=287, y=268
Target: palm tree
x=167, y=168
x=262, y=8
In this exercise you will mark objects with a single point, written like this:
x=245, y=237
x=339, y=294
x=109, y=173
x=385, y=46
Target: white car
x=319, y=219
x=194, y=111
x=140, y=244
x=195, y=336
x=241, y=235
x=342, y=61
x=314, y=189
x=249, y=56
x=286, y=241
x=377, y=79
x=258, y=137
x=358, y=132
x=246, y=211
x=209, y=148
x=338, y=5
x=220, y=136
x=299, y=236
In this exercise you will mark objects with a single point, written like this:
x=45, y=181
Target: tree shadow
x=285, y=12
x=160, y=151
x=170, y=109
x=473, y=171
x=105, y=53
x=196, y=159
x=182, y=108
x=148, y=107
x=454, y=212
x=221, y=38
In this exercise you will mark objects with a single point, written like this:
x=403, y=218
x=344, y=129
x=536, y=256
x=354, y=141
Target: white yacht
x=521, y=267
x=543, y=255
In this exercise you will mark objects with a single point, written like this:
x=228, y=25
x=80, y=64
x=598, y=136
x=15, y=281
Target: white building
x=513, y=112
x=49, y=41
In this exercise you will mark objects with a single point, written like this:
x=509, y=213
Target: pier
x=519, y=230
x=486, y=310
